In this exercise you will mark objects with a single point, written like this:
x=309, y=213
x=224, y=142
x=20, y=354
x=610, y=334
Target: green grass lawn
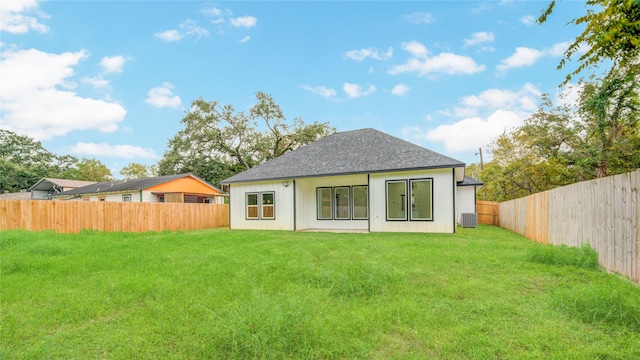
x=480, y=293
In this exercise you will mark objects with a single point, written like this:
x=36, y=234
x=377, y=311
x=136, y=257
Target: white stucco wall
x=444, y=196
x=283, y=200
x=306, y=203
x=466, y=201
x=443, y=202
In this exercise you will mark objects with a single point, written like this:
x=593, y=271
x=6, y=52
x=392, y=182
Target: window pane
x=342, y=203
x=252, y=206
x=267, y=198
x=396, y=200
x=360, y=202
x=323, y=198
x=421, y=208
x=267, y=212
x=252, y=212
x=268, y=208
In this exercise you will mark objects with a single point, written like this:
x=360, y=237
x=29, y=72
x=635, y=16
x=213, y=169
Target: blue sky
x=111, y=80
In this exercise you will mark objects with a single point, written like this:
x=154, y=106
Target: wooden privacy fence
x=487, y=212
x=73, y=216
x=603, y=213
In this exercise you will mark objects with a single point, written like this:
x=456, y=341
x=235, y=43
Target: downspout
x=140, y=195
x=295, y=213
x=453, y=175
x=368, y=204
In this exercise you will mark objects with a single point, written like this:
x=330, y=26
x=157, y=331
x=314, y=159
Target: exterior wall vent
x=469, y=220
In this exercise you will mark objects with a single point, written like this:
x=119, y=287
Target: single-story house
x=181, y=188
x=47, y=187
x=361, y=180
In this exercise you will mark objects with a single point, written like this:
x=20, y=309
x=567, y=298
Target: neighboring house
x=47, y=187
x=182, y=188
x=362, y=180
x=22, y=195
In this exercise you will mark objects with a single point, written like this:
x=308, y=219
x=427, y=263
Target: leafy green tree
x=611, y=33
x=556, y=146
x=89, y=170
x=217, y=141
x=609, y=110
x=24, y=161
x=137, y=171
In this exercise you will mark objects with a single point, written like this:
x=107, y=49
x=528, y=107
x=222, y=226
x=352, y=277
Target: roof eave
x=225, y=182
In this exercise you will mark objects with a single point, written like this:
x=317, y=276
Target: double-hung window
x=126, y=198
x=260, y=205
x=268, y=206
x=252, y=206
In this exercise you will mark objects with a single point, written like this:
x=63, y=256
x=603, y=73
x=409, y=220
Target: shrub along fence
x=73, y=216
x=603, y=213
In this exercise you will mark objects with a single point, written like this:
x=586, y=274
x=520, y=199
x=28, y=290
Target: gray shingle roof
x=126, y=185
x=349, y=152
x=469, y=181
x=47, y=183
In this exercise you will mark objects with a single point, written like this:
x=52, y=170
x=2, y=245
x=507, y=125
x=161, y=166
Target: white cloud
x=13, y=19
x=191, y=27
x=169, y=35
x=419, y=17
x=423, y=64
x=245, y=39
x=360, y=55
x=320, y=90
x=400, y=90
x=32, y=76
x=569, y=95
x=117, y=151
x=528, y=20
x=187, y=28
x=558, y=49
x=479, y=38
x=112, y=63
x=523, y=56
x=97, y=82
x=162, y=96
x=355, y=90
x=214, y=11
x=244, y=21
x=483, y=118
x=415, y=48
x=525, y=99
x=471, y=133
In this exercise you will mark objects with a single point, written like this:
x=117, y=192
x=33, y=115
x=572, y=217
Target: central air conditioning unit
x=469, y=220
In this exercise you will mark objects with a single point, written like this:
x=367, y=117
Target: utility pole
x=484, y=189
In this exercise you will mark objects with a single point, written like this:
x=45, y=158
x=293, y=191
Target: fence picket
x=73, y=216
x=603, y=213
